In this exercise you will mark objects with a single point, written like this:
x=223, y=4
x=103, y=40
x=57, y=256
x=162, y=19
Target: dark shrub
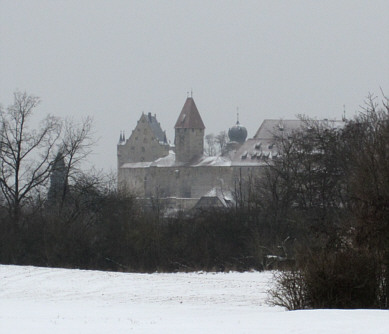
x=344, y=279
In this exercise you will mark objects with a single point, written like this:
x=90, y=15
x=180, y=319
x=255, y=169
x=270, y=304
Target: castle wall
x=184, y=181
x=132, y=180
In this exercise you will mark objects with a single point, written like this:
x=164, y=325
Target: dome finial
x=237, y=115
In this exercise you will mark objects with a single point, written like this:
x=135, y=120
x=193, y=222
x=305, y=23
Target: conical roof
x=189, y=117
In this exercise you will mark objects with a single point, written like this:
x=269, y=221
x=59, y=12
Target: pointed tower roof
x=189, y=117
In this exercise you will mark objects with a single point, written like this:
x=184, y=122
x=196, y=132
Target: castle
x=181, y=175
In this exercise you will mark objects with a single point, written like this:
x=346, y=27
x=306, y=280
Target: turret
x=58, y=180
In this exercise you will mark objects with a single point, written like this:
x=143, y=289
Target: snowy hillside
x=42, y=300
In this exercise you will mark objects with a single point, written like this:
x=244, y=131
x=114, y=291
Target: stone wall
x=185, y=181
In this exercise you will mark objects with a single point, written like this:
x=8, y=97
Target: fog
x=114, y=60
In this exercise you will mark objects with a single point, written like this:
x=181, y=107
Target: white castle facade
x=181, y=175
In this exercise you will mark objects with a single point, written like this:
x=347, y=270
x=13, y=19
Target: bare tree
x=26, y=154
x=215, y=144
x=210, y=148
x=335, y=180
x=221, y=140
x=76, y=145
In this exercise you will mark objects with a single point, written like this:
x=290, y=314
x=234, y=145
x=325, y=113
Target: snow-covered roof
x=254, y=153
x=257, y=151
x=166, y=161
x=271, y=127
x=136, y=164
x=213, y=161
x=170, y=161
x=242, y=157
x=225, y=197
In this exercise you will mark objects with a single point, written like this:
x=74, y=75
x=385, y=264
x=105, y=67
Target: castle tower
x=189, y=133
x=58, y=180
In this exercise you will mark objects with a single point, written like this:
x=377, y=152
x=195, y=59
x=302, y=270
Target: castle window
x=145, y=140
x=136, y=138
x=143, y=149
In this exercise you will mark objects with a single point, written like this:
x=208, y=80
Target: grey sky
x=114, y=59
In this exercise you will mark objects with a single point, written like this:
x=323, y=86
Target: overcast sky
x=114, y=59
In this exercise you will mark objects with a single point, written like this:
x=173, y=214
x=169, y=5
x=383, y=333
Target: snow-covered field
x=43, y=300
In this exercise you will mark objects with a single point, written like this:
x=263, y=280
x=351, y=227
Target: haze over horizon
x=113, y=60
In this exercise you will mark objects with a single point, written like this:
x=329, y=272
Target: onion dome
x=237, y=133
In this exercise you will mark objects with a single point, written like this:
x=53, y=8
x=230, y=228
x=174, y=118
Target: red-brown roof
x=189, y=117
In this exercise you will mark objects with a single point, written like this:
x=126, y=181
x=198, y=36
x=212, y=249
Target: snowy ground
x=42, y=300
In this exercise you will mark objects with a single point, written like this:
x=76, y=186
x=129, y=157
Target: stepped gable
x=189, y=117
x=156, y=128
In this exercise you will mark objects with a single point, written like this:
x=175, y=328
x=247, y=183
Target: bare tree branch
x=26, y=155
